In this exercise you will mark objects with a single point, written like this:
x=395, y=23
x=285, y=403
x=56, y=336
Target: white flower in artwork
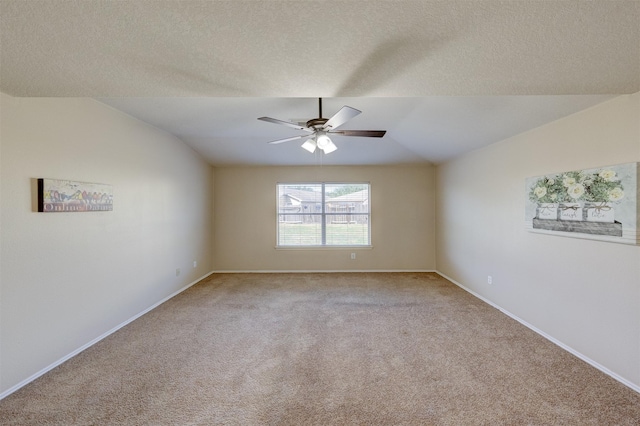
x=540, y=191
x=575, y=191
x=568, y=181
x=616, y=194
x=551, y=181
x=608, y=175
x=554, y=196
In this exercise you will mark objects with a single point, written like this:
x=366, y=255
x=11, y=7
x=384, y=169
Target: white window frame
x=323, y=216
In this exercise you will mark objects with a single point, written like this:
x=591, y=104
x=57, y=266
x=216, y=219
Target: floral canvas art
x=599, y=203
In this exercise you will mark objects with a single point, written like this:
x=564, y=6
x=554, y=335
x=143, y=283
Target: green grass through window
x=310, y=234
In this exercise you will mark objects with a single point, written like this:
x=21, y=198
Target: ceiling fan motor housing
x=320, y=127
x=316, y=123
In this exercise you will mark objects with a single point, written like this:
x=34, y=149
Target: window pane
x=350, y=230
x=300, y=198
x=343, y=220
x=305, y=232
x=343, y=193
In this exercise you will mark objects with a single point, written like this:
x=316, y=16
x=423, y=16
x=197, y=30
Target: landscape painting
x=56, y=196
x=599, y=203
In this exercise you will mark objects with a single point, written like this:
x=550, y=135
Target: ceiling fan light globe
x=330, y=147
x=309, y=145
x=323, y=140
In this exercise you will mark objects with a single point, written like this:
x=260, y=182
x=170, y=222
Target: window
x=323, y=214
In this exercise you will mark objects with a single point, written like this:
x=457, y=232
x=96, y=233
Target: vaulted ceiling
x=442, y=77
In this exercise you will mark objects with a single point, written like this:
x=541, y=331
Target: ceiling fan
x=318, y=129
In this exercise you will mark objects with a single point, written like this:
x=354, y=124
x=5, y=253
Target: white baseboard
x=521, y=321
x=96, y=340
x=318, y=271
x=553, y=340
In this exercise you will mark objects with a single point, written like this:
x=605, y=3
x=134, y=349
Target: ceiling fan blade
x=293, y=138
x=286, y=123
x=363, y=133
x=345, y=114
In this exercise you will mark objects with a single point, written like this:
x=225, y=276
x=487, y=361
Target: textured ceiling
x=453, y=55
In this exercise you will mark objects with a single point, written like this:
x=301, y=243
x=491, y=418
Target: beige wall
x=584, y=293
x=402, y=219
x=67, y=278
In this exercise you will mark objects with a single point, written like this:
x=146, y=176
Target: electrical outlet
x=177, y=272
x=195, y=263
x=353, y=256
x=489, y=280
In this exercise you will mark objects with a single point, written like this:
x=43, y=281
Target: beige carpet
x=324, y=349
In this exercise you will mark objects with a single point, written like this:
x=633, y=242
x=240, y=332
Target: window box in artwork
x=599, y=212
x=570, y=211
x=547, y=211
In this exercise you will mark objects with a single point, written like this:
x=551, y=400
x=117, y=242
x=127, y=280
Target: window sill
x=323, y=247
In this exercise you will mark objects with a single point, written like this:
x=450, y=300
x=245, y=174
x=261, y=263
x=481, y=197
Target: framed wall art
x=600, y=203
x=56, y=196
